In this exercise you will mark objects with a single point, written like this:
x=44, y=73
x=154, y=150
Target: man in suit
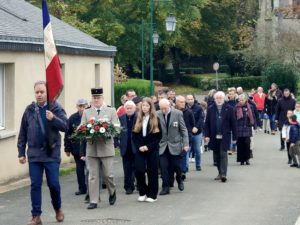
x=174, y=143
x=127, y=147
x=220, y=124
x=99, y=153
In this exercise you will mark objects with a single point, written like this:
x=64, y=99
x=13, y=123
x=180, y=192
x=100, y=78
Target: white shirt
x=145, y=123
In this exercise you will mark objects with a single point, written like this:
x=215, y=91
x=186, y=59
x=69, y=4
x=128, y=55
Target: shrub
x=141, y=87
x=207, y=83
x=195, y=70
x=281, y=74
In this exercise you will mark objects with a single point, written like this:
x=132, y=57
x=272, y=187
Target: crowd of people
x=162, y=135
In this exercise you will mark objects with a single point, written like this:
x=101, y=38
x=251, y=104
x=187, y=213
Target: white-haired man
x=174, y=142
x=126, y=146
x=220, y=124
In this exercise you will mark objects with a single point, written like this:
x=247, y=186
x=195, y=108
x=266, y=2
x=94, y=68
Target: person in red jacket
x=259, y=99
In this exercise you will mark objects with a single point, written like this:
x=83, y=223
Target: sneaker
x=193, y=160
x=151, y=200
x=294, y=165
x=142, y=198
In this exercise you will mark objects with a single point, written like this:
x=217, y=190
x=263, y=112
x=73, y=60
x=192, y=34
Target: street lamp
x=171, y=23
x=155, y=37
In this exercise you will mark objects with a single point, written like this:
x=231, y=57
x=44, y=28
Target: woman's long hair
x=152, y=117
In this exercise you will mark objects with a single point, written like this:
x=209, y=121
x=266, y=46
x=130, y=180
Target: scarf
x=239, y=112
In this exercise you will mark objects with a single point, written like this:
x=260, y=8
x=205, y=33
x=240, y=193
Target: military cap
x=97, y=91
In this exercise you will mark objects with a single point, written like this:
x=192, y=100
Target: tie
x=98, y=111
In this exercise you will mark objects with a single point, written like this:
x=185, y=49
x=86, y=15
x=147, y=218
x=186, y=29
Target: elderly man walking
x=127, y=147
x=41, y=120
x=220, y=124
x=174, y=143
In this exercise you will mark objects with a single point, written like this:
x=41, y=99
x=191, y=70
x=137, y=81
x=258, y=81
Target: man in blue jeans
x=39, y=130
x=197, y=130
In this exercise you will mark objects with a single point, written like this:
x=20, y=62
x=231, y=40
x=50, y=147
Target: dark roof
x=21, y=29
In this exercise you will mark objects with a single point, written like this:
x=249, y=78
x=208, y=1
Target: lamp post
x=170, y=27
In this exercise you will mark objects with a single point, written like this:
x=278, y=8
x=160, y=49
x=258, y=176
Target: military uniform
x=100, y=153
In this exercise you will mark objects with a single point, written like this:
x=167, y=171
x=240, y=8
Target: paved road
x=265, y=193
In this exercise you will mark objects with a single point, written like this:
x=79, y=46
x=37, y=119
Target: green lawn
x=211, y=75
x=181, y=89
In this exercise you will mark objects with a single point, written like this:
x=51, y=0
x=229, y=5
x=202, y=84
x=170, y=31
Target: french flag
x=53, y=72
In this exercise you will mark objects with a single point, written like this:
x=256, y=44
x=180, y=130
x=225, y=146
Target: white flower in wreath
x=175, y=124
x=89, y=125
x=92, y=131
x=102, y=130
x=117, y=125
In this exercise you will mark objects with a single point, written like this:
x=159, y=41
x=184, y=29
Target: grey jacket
x=176, y=137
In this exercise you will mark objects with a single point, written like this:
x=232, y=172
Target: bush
x=141, y=87
x=281, y=74
x=224, y=69
x=207, y=83
x=196, y=70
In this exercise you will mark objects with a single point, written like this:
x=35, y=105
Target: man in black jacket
x=197, y=130
x=74, y=147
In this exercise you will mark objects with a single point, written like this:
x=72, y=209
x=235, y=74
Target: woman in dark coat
x=146, y=137
x=245, y=120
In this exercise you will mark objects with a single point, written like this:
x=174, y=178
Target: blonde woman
x=146, y=137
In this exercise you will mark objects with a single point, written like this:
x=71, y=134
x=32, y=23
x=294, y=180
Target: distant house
x=85, y=63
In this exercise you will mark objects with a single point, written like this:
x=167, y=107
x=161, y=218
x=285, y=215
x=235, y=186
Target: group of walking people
x=161, y=133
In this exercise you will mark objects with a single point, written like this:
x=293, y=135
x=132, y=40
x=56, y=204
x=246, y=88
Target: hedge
x=224, y=83
x=196, y=70
x=141, y=87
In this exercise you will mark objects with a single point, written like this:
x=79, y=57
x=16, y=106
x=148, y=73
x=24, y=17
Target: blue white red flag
x=53, y=72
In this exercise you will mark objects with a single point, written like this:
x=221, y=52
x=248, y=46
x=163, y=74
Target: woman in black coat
x=146, y=137
x=245, y=120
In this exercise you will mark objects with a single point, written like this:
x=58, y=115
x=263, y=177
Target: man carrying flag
x=39, y=132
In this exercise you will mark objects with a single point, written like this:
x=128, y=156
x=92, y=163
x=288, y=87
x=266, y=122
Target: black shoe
x=294, y=165
x=223, y=179
x=103, y=186
x=181, y=186
x=281, y=148
x=112, y=198
x=242, y=163
x=215, y=164
x=92, y=206
x=198, y=168
x=80, y=193
x=171, y=185
x=165, y=191
x=87, y=199
x=265, y=131
x=290, y=162
x=247, y=162
x=129, y=191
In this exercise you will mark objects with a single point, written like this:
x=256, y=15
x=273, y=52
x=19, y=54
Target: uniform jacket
x=100, y=147
x=124, y=134
x=29, y=134
x=228, y=126
x=176, y=137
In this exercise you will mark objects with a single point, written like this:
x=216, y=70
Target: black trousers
x=170, y=163
x=282, y=145
x=80, y=165
x=221, y=158
x=243, y=149
x=128, y=168
x=147, y=162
